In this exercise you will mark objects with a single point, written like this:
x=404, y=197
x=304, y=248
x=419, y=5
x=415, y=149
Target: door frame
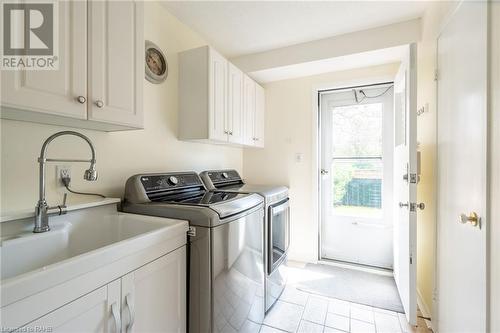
x=387, y=183
x=315, y=149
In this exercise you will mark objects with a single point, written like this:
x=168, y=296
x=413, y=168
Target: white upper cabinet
x=54, y=92
x=249, y=110
x=116, y=68
x=217, y=102
x=254, y=110
x=106, y=95
x=234, y=117
x=260, y=108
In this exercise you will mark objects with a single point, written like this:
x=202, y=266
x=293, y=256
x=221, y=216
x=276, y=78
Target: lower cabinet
x=149, y=299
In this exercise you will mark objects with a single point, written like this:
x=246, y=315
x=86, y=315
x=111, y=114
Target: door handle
x=473, y=219
x=324, y=172
x=116, y=317
x=131, y=312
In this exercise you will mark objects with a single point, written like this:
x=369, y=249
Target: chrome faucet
x=42, y=210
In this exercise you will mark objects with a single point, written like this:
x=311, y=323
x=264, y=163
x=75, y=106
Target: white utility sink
x=78, y=242
x=26, y=251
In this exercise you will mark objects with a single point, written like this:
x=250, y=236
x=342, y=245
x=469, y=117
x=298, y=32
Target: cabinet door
x=154, y=296
x=260, y=108
x=235, y=104
x=55, y=91
x=249, y=111
x=217, y=96
x=116, y=62
x=98, y=311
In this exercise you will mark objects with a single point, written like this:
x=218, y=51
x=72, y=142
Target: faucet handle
x=64, y=199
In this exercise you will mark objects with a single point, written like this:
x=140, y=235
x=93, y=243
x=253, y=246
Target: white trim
x=424, y=309
x=315, y=195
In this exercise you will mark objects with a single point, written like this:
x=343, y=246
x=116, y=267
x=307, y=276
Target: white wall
x=289, y=123
x=120, y=154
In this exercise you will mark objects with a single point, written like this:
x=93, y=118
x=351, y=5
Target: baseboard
x=424, y=309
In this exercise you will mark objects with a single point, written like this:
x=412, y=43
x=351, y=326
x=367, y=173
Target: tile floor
x=299, y=311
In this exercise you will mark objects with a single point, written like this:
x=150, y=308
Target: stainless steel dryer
x=226, y=247
x=277, y=224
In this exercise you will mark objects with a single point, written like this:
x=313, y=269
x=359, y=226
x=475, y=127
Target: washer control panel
x=153, y=183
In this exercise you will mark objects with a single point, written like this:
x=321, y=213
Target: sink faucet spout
x=42, y=209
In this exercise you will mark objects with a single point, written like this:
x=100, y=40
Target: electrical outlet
x=62, y=171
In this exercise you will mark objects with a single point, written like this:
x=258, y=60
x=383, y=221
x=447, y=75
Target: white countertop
x=73, y=204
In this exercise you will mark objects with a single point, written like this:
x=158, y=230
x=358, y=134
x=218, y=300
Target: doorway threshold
x=358, y=267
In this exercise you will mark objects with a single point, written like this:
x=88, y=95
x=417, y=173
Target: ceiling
x=238, y=28
x=357, y=60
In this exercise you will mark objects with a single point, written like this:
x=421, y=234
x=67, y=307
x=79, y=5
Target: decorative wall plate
x=155, y=63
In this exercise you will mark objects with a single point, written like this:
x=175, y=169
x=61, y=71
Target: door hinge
x=436, y=74
x=411, y=260
x=191, y=232
x=413, y=178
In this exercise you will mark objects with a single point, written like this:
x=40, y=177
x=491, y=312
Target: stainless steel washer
x=277, y=224
x=226, y=247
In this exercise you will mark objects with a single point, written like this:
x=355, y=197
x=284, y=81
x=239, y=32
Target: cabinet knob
x=226, y=132
x=99, y=103
x=81, y=99
x=230, y=133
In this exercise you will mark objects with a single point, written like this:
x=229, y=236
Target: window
x=357, y=160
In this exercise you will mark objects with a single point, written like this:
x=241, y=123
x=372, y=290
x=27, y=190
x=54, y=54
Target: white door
x=116, y=62
x=154, y=296
x=235, y=104
x=98, y=312
x=405, y=182
x=217, y=96
x=55, y=91
x=249, y=110
x=356, y=182
x=260, y=109
x=462, y=170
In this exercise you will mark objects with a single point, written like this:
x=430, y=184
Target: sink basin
x=25, y=251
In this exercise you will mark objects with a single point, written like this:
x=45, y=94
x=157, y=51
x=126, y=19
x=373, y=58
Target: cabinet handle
x=131, y=312
x=116, y=317
x=99, y=104
x=226, y=132
x=81, y=99
x=230, y=133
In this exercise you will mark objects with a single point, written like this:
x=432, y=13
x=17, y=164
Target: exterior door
x=462, y=171
x=55, y=91
x=356, y=181
x=405, y=183
x=116, y=62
